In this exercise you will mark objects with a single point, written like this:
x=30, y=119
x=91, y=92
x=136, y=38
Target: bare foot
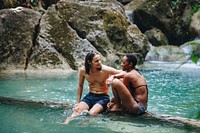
x=114, y=108
x=67, y=120
x=110, y=105
x=85, y=112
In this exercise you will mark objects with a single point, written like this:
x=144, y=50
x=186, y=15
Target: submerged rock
x=167, y=53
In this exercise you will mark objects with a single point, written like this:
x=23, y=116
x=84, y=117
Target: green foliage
x=195, y=54
x=176, y=3
x=198, y=115
x=195, y=8
x=34, y=3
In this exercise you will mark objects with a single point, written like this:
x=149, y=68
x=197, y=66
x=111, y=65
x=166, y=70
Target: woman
x=131, y=93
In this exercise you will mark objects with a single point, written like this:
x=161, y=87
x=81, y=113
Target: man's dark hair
x=132, y=59
x=88, y=59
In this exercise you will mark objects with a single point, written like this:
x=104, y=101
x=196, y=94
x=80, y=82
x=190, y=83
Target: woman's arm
x=118, y=76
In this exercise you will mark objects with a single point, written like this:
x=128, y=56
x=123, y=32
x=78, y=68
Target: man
x=131, y=94
x=96, y=74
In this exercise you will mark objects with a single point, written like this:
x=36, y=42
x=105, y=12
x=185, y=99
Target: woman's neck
x=130, y=69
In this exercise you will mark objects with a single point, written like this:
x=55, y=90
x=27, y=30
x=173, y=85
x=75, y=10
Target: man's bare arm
x=80, y=85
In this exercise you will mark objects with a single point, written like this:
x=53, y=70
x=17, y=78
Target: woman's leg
x=123, y=97
x=116, y=105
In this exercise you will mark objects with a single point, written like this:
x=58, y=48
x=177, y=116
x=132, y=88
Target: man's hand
x=109, y=80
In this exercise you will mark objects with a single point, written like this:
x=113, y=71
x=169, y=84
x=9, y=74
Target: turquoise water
x=171, y=91
x=174, y=91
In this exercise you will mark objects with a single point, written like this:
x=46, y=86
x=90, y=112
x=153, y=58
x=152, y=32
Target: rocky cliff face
x=169, y=26
x=17, y=34
x=171, y=17
x=61, y=37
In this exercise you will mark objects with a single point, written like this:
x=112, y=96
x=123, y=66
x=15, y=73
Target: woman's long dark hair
x=88, y=59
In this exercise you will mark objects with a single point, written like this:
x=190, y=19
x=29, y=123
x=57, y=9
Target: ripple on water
x=170, y=92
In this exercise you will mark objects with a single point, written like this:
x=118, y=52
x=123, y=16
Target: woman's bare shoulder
x=130, y=75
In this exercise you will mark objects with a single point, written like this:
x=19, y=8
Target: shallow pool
x=171, y=91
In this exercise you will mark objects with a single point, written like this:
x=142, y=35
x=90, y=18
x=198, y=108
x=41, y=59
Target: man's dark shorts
x=91, y=99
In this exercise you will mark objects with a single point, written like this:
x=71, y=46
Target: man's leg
x=96, y=109
x=77, y=110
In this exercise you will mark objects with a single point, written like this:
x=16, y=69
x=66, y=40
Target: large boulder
x=75, y=28
x=68, y=30
x=134, y=4
x=195, y=24
x=17, y=34
x=156, y=37
x=167, y=53
x=173, y=19
x=189, y=51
